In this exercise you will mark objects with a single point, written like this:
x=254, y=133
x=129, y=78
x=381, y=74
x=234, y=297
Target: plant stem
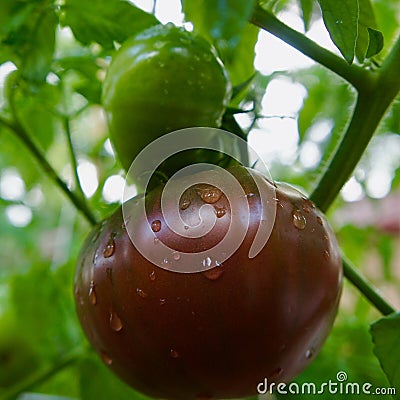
x=375, y=94
x=40, y=376
x=20, y=132
x=366, y=288
x=74, y=163
x=353, y=74
x=372, y=102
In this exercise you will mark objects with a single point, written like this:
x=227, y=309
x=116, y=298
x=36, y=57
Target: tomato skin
x=189, y=336
x=161, y=80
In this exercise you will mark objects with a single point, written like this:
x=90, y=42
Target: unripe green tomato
x=161, y=80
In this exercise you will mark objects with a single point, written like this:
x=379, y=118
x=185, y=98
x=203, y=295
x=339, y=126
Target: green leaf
x=318, y=105
x=27, y=35
x=386, y=337
x=106, y=22
x=376, y=42
x=225, y=23
x=341, y=20
x=88, y=84
x=45, y=310
x=387, y=19
x=40, y=48
x=240, y=62
x=97, y=382
x=392, y=119
x=365, y=22
x=221, y=20
x=307, y=7
x=274, y=5
x=36, y=111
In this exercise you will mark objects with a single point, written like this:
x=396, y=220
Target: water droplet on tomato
x=185, y=203
x=326, y=255
x=174, y=353
x=176, y=256
x=207, y=262
x=156, y=240
x=108, y=251
x=214, y=273
x=319, y=220
x=299, y=221
x=156, y=225
x=92, y=293
x=248, y=195
x=152, y=276
x=278, y=202
x=106, y=358
x=210, y=195
x=309, y=353
x=220, y=212
x=115, y=322
x=141, y=293
x=308, y=203
x=95, y=256
x=162, y=301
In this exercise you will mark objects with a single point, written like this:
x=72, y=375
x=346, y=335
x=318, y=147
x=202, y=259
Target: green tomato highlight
x=159, y=81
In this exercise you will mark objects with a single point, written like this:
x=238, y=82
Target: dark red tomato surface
x=213, y=334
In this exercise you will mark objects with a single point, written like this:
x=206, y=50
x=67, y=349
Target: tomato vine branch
x=355, y=75
x=366, y=288
x=20, y=132
x=376, y=91
x=74, y=163
x=372, y=104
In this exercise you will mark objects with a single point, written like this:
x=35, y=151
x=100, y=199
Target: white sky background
x=275, y=139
